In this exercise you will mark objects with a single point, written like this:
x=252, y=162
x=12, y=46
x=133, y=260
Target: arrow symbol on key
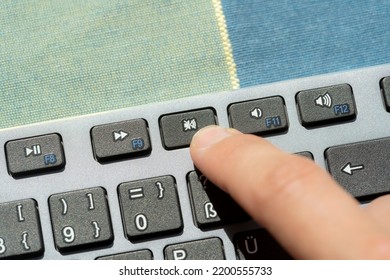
x=349, y=169
x=119, y=135
x=28, y=151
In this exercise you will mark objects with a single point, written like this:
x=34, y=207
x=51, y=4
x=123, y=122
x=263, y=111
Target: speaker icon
x=256, y=113
x=324, y=100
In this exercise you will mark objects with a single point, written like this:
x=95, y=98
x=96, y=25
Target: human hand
x=298, y=202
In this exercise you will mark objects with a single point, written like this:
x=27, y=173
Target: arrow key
x=349, y=169
x=115, y=141
x=361, y=168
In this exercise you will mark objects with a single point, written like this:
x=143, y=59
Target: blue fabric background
x=277, y=40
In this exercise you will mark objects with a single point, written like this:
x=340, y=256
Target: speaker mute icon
x=324, y=100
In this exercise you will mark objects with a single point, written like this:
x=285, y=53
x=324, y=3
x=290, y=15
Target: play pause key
x=35, y=155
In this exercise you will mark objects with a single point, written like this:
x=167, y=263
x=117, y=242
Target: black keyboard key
x=80, y=219
x=261, y=117
x=121, y=140
x=35, y=155
x=326, y=105
x=361, y=168
x=20, y=230
x=177, y=129
x=135, y=255
x=212, y=206
x=206, y=249
x=385, y=87
x=258, y=245
x=150, y=207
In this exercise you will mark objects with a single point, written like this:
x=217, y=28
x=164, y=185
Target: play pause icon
x=33, y=150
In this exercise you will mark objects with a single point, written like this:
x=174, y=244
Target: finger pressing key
x=294, y=199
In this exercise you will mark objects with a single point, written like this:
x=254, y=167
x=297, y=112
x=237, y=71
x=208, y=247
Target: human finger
x=294, y=199
x=379, y=209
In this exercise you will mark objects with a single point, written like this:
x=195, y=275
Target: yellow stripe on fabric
x=227, y=47
x=69, y=58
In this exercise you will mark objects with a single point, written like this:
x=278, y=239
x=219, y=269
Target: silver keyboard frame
x=83, y=171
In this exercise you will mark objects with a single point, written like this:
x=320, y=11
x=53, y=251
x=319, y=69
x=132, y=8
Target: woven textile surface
x=69, y=58
x=278, y=40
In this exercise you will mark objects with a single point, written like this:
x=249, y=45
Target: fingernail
x=209, y=136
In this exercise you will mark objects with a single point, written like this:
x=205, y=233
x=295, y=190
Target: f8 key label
x=33, y=155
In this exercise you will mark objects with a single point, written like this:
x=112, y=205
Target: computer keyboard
x=121, y=184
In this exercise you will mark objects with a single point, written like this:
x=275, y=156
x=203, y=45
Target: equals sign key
x=136, y=193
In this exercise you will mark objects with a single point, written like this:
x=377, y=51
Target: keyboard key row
x=205, y=249
x=129, y=139
x=251, y=245
x=150, y=209
x=80, y=219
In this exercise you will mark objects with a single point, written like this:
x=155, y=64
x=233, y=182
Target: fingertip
x=208, y=136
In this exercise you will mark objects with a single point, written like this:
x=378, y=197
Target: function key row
x=265, y=116
x=129, y=139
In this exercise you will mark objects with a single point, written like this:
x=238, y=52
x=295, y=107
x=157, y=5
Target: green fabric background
x=65, y=58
